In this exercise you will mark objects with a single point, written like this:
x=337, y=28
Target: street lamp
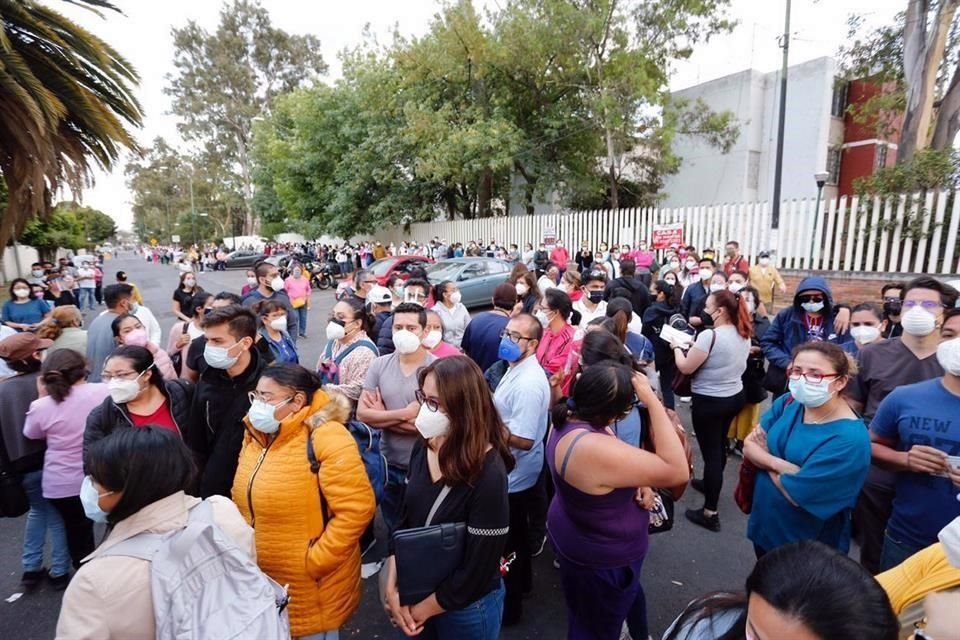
x=821, y=178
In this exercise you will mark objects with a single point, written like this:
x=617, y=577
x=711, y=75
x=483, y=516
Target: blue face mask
x=509, y=350
x=90, y=500
x=809, y=394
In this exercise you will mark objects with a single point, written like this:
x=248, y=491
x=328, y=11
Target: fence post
x=937, y=232
x=951, y=246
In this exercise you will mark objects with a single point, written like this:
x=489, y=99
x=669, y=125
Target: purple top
x=602, y=532
x=62, y=425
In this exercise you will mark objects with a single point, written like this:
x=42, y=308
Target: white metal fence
x=905, y=234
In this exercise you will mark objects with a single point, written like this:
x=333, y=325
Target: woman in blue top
x=813, y=455
x=22, y=311
x=273, y=329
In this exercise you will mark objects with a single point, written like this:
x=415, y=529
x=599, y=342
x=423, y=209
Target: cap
x=379, y=295
x=763, y=254
x=22, y=346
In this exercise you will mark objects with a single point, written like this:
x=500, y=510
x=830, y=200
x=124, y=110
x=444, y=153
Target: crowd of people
x=547, y=423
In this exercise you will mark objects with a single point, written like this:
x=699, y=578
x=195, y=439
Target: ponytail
x=736, y=307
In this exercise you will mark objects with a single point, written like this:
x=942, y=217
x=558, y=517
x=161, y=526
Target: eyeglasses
x=424, y=399
x=368, y=282
x=256, y=395
x=927, y=305
x=122, y=375
x=892, y=299
x=812, y=378
x=803, y=299
x=514, y=337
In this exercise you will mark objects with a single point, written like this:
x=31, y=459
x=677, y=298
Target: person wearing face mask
x=454, y=315
x=460, y=463
x=273, y=330
x=481, y=340
x=128, y=330
x=734, y=260
x=695, y=295
x=526, y=257
x=584, y=258
x=349, y=352
x=592, y=304
x=433, y=338
x=382, y=301
x=271, y=287
x=560, y=257
x=541, y=260
x=765, y=277
x=100, y=338
x=812, y=452
x=927, y=478
x=182, y=334
x=753, y=392
x=58, y=417
x=250, y=284
x=184, y=294
x=415, y=291
x=886, y=365
x=523, y=400
x=570, y=284
x=232, y=366
x=666, y=303
x=297, y=286
x=933, y=570
x=892, y=300
x=23, y=311
x=866, y=324
x=557, y=342
x=549, y=279
x=811, y=318
x=632, y=285
x=387, y=401
x=138, y=396
x=309, y=544
x=138, y=482
x=689, y=274
x=64, y=328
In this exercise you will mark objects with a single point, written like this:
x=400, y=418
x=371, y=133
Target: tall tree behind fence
x=906, y=234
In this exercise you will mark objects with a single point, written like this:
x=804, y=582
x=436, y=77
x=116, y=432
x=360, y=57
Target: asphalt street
x=681, y=565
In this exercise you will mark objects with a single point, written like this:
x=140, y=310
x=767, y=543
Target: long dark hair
x=141, y=360
x=146, y=464
x=475, y=422
x=359, y=313
x=603, y=346
x=672, y=292
x=600, y=395
x=61, y=370
x=294, y=376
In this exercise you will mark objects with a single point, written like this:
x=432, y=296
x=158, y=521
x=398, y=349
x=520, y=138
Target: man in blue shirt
x=270, y=287
x=916, y=432
x=523, y=400
x=481, y=340
x=695, y=295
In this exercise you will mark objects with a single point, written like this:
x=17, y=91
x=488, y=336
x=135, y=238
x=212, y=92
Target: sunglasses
x=804, y=299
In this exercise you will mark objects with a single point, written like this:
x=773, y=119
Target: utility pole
x=193, y=212
x=778, y=172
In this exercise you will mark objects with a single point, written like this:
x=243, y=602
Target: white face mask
x=21, y=293
x=522, y=289
x=948, y=355
x=455, y=297
x=123, y=391
x=335, y=331
x=431, y=424
x=277, y=284
x=432, y=339
x=405, y=341
x=706, y=274
x=751, y=306
x=690, y=264
x=865, y=334
x=764, y=262
x=279, y=323
x=716, y=287
x=735, y=287
x=219, y=357
x=543, y=317
x=189, y=282
x=261, y=416
x=918, y=322
x=252, y=280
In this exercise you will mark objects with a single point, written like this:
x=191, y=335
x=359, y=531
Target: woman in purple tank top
x=596, y=522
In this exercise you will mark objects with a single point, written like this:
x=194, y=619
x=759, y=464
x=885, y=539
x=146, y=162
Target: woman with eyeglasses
x=128, y=330
x=596, y=522
x=812, y=452
x=273, y=329
x=139, y=396
x=463, y=446
x=308, y=517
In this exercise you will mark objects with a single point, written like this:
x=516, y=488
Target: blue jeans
x=302, y=318
x=598, y=600
x=41, y=518
x=894, y=552
x=333, y=634
x=479, y=620
x=392, y=500
x=84, y=293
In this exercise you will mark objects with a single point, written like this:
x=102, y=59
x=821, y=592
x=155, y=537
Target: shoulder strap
x=315, y=470
x=566, y=456
x=713, y=340
x=436, y=504
x=360, y=343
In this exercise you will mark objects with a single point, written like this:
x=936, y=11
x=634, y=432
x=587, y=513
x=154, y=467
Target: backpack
x=329, y=372
x=204, y=587
x=374, y=462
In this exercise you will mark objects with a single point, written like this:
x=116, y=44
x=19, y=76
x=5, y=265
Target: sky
x=143, y=36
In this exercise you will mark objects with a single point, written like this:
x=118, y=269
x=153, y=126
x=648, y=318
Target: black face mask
x=596, y=297
x=892, y=308
x=706, y=319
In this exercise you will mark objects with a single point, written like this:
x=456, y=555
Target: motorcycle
x=321, y=276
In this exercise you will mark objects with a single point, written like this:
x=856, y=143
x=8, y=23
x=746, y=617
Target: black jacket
x=655, y=316
x=384, y=336
x=378, y=321
x=219, y=406
x=109, y=415
x=637, y=292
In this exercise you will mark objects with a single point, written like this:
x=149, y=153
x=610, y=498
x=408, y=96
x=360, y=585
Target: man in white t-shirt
x=87, y=284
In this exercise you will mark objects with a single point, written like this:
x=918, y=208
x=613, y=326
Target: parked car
x=385, y=267
x=475, y=277
x=243, y=259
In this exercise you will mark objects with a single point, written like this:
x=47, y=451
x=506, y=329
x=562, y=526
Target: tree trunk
x=485, y=194
x=948, y=115
x=243, y=158
x=612, y=170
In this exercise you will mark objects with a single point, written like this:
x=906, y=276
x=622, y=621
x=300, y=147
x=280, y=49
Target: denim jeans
x=85, y=293
x=599, y=601
x=894, y=552
x=392, y=500
x=479, y=620
x=41, y=518
x=333, y=634
x=302, y=317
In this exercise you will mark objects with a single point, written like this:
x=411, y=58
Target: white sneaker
x=370, y=569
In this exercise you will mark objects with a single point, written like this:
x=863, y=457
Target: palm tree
x=65, y=103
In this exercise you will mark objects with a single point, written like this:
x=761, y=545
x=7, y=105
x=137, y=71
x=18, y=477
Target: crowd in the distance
x=545, y=424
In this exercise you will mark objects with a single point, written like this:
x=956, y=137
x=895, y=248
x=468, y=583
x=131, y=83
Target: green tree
x=67, y=102
x=226, y=79
x=62, y=229
x=98, y=227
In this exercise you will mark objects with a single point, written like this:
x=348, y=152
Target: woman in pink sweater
x=297, y=286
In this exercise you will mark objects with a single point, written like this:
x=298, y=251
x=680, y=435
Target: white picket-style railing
x=905, y=234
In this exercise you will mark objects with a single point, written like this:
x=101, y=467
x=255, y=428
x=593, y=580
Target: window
x=838, y=106
x=833, y=165
x=881, y=158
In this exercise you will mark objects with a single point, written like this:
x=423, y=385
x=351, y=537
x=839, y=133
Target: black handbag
x=775, y=381
x=13, y=498
x=427, y=555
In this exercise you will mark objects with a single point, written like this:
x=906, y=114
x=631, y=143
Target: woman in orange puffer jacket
x=314, y=551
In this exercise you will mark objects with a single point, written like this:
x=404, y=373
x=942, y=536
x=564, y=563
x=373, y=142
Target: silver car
x=475, y=277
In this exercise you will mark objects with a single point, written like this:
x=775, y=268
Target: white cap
x=379, y=295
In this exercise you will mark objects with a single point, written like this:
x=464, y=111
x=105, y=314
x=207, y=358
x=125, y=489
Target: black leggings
x=79, y=528
x=711, y=421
